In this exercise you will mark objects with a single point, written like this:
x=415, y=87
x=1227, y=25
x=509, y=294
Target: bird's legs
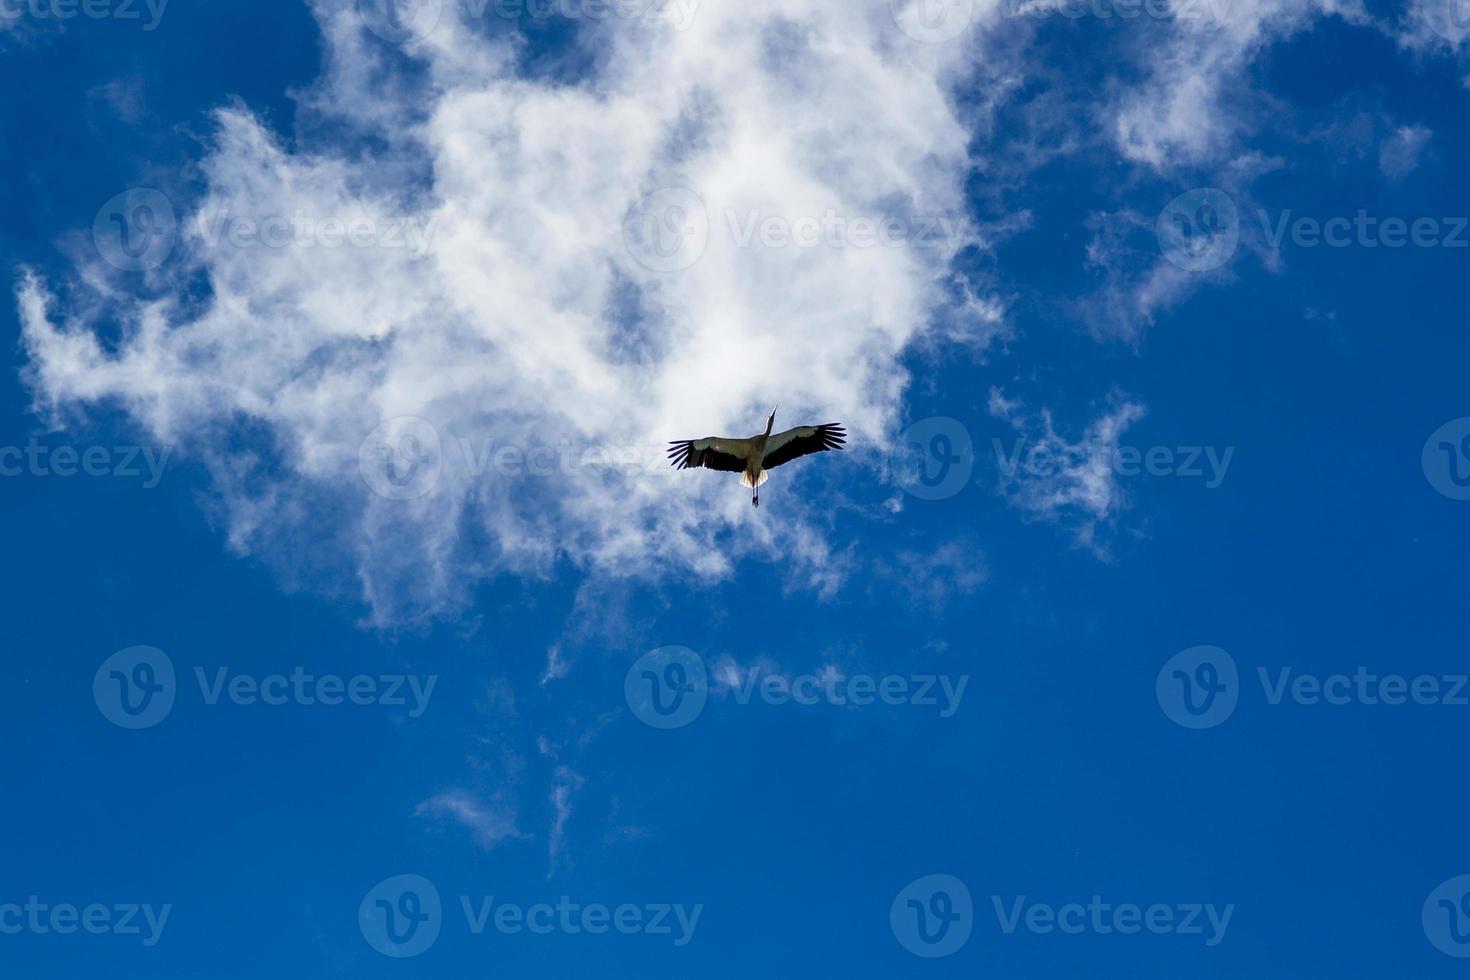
x=755, y=498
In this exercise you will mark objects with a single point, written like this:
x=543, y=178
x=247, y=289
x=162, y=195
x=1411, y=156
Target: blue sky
x=1228, y=433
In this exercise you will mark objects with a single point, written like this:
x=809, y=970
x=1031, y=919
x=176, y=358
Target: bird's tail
x=759, y=481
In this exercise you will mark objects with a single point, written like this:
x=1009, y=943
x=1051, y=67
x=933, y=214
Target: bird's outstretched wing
x=713, y=453
x=783, y=447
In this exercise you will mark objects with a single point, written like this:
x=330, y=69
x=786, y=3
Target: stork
x=755, y=457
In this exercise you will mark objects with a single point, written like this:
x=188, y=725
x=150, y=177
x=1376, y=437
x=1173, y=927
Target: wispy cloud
x=556, y=666
x=1078, y=487
x=1399, y=155
x=937, y=576
x=1198, y=98
x=489, y=822
x=566, y=783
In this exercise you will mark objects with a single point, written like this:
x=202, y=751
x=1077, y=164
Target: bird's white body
x=760, y=477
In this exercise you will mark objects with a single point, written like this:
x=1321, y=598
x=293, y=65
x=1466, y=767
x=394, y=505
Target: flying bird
x=755, y=457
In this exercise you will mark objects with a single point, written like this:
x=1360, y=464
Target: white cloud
x=1137, y=283
x=956, y=568
x=1400, y=152
x=522, y=319
x=526, y=320
x=123, y=97
x=488, y=822
x=1196, y=99
x=1189, y=121
x=565, y=784
x=727, y=675
x=556, y=666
